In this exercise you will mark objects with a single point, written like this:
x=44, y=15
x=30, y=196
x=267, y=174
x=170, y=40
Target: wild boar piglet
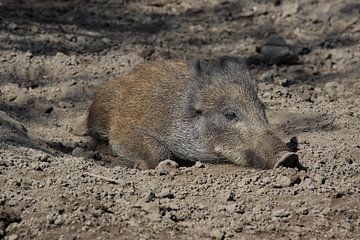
x=203, y=110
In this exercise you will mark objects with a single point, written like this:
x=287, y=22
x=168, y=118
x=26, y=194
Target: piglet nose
x=288, y=159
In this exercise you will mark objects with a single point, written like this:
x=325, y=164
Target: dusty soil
x=54, y=54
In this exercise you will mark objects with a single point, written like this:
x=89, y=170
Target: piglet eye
x=231, y=116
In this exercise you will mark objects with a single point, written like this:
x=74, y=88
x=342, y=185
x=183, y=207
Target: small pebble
x=199, y=164
x=166, y=166
x=13, y=237
x=302, y=211
x=149, y=197
x=281, y=213
x=166, y=193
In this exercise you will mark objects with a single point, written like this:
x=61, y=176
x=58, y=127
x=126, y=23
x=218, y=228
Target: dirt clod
x=276, y=51
x=281, y=213
x=7, y=216
x=167, y=166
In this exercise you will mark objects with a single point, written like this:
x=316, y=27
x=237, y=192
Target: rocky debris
x=355, y=154
x=275, y=50
x=281, y=213
x=23, y=99
x=302, y=211
x=39, y=166
x=12, y=237
x=42, y=157
x=267, y=77
x=199, y=164
x=166, y=193
x=218, y=234
x=149, y=197
x=81, y=152
x=11, y=91
x=7, y=122
x=230, y=196
x=7, y=216
x=59, y=146
x=12, y=26
x=293, y=144
x=287, y=181
x=339, y=194
x=65, y=105
x=167, y=166
x=286, y=82
x=147, y=53
x=289, y=9
x=80, y=125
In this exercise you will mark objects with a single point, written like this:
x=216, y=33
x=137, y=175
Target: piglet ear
x=219, y=65
x=230, y=63
x=234, y=66
x=199, y=69
x=195, y=67
x=236, y=70
x=195, y=103
x=231, y=69
x=203, y=72
x=199, y=77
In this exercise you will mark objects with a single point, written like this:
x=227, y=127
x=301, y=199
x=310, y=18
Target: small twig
x=106, y=179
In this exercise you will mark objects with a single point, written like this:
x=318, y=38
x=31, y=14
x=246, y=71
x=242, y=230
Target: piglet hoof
x=290, y=160
x=166, y=166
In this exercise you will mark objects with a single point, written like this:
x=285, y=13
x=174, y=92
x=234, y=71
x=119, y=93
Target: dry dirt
x=54, y=54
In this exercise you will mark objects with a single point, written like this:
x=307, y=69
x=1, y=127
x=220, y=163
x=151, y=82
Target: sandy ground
x=54, y=54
